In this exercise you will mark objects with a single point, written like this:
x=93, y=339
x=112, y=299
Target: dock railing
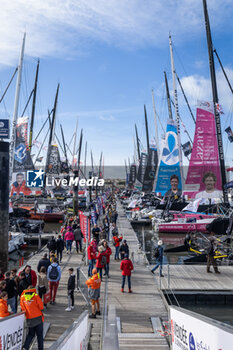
x=81, y=285
x=168, y=288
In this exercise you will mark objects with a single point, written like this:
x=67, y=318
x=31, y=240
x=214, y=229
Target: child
x=43, y=285
x=52, y=255
x=126, y=267
x=3, y=305
x=70, y=289
x=93, y=284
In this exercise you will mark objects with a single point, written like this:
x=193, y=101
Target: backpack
x=156, y=252
x=53, y=274
x=103, y=260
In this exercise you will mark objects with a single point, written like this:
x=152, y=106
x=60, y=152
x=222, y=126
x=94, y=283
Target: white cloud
x=109, y=118
x=198, y=87
x=59, y=28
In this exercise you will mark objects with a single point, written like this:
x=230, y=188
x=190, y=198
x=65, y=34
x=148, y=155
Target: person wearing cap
x=210, y=255
x=94, y=284
x=43, y=262
x=124, y=249
x=159, y=258
x=126, y=268
x=91, y=252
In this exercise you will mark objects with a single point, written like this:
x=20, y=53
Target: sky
x=108, y=55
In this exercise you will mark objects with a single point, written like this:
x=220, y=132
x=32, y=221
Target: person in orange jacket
x=19, y=186
x=116, y=243
x=32, y=305
x=94, y=284
x=3, y=305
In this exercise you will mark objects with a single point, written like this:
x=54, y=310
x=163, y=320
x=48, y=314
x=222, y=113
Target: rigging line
x=59, y=143
x=185, y=97
x=185, y=130
x=16, y=69
x=69, y=149
x=27, y=103
x=4, y=105
x=223, y=70
x=42, y=145
x=43, y=125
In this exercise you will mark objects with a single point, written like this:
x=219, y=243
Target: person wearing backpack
x=158, y=254
x=101, y=260
x=54, y=276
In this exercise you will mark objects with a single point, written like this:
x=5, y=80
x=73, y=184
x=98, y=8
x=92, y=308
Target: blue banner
x=4, y=129
x=169, y=160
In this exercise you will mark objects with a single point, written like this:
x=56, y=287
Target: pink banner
x=204, y=157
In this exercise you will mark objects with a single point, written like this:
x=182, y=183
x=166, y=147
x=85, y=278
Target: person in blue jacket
x=159, y=257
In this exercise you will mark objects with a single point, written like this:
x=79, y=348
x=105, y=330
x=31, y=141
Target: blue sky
x=107, y=56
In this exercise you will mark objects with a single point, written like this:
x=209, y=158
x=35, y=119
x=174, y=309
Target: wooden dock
x=195, y=278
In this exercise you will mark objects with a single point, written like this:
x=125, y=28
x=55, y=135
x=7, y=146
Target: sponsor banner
x=132, y=174
x=204, y=156
x=11, y=332
x=85, y=226
x=149, y=177
x=53, y=165
x=19, y=185
x=169, y=159
x=4, y=129
x=22, y=158
x=191, y=331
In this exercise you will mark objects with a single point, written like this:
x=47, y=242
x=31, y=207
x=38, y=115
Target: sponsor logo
x=191, y=342
x=35, y=178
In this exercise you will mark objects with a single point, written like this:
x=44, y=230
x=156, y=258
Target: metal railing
x=81, y=285
x=168, y=288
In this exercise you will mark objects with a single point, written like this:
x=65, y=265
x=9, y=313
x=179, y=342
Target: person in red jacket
x=126, y=267
x=108, y=252
x=117, y=241
x=91, y=252
x=3, y=305
x=30, y=275
x=101, y=260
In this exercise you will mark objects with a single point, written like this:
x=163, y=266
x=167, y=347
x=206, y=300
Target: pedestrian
x=78, y=236
x=124, y=249
x=32, y=305
x=69, y=237
x=106, y=228
x=210, y=255
x=101, y=260
x=2, y=286
x=70, y=289
x=2, y=276
x=43, y=285
x=3, y=305
x=11, y=291
x=114, y=217
x=158, y=254
x=43, y=262
x=15, y=278
x=30, y=276
x=52, y=244
x=60, y=248
x=114, y=230
x=54, y=276
x=126, y=267
x=91, y=251
x=108, y=253
x=94, y=284
x=23, y=283
x=52, y=255
x=96, y=233
x=116, y=243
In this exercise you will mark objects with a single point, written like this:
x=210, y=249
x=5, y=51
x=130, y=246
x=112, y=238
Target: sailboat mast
x=85, y=160
x=33, y=107
x=215, y=101
x=52, y=130
x=64, y=145
x=137, y=140
x=168, y=97
x=16, y=107
x=75, y=138
x=155, y=118
x=176, y=108
x=147, y=131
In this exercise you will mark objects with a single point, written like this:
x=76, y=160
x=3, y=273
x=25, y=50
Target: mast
x=52, y=130
x=168, y=97
x=126, y=170
x=85, y=160
x=76, y=174
x=33, y=107
x=147, y=132
x=92, y=165
x=100, y=164
x=75, y=138
x=64, y=145
x=137, y=140
x=155, y=119
x=176, y=109
x=215, y=101
x=16, y=107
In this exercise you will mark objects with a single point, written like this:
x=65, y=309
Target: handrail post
x=168, y=276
